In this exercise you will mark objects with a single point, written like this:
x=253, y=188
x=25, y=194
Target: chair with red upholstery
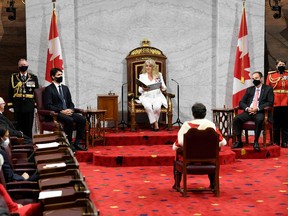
x=200, y=156
x=250, y=125
x=42, y=114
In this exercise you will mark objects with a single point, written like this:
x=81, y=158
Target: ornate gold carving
x=146, y=50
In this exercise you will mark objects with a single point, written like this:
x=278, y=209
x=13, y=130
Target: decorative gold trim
x=145, y=50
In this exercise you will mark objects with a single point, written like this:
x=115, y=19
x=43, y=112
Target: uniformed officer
x=279, y=81
x=21, y=97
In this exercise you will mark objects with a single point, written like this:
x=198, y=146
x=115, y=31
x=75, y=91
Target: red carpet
x=133, y=176
x=248, y=187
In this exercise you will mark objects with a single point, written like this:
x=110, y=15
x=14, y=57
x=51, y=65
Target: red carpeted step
x=141, y=137
x=248, y=152
x=155, y=155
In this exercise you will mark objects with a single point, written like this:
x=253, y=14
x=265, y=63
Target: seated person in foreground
x=5, y=122
x=254, y=101
x=26, y=210
x=199, y=122
x=57, y=98
x=152, y=100
x=7, y=168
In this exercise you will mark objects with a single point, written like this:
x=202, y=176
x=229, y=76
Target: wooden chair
x=250, y=125
x=47, y=120
x=42, y=116
x=77, y=189
x=77, y=207
x=200, y=156
x=135, y=61
x=56, y=180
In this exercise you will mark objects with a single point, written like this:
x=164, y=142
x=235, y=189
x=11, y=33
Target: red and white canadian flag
x=54, y=54
x=242, y=78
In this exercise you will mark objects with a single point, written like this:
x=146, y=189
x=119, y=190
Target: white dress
x=154, y=99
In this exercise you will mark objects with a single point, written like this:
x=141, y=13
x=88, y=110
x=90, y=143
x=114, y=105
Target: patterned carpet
x=248, y=187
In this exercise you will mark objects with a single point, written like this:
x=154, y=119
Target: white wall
x=199, y=38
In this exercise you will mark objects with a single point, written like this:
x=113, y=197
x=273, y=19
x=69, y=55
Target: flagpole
x=53, y=1
x=242, y=30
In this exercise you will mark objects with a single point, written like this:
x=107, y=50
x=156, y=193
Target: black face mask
x=256, y=82
x=23, y=68
x=281, y=69
x=58, y=79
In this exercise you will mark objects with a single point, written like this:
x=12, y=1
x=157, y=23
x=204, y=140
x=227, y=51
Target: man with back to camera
x=201, y=123
x=57, y=98
x=255, y=99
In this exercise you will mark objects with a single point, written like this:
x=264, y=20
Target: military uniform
x=21, y=98
x=279, y=82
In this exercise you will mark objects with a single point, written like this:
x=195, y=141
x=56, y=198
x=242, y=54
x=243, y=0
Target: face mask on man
x=5, y=142
x=23, y=68
x=58, y=79
x=281, y=69
x=256, y=82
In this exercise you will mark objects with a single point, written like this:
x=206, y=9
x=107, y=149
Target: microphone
x=178, y=121
x=175, y=81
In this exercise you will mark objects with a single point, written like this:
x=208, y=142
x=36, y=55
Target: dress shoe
x=73, y=148
x=237, y=144
x=212, y=186
x=284, y=145
x=175, y=187
x=77, y=146
x=156, y=129
x=256, y=146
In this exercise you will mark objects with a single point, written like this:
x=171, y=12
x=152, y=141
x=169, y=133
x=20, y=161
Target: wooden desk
x=223, y=119
x=96, y=123
x=110, y=104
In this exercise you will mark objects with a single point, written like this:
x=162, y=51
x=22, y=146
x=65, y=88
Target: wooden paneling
x=12, y=45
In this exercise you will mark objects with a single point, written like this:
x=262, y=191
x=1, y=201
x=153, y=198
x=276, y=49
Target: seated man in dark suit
x=254, y=101
x=57, y=98
x=5, y=122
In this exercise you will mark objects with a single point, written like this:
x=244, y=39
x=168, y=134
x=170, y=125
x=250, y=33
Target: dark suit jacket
x=7, y=168
x=7, y=123
x=266, y=97
x=52, y=100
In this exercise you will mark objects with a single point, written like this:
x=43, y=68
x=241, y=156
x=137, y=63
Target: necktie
x=23, y=77
x=62, y=97
x=256, y=99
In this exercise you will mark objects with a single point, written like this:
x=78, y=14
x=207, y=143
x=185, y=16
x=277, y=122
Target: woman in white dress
x=152, y=100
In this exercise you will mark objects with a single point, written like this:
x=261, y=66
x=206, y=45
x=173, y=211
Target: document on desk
x=47, y=145
x=151, y=87
x=49, y=194
x=54, y=165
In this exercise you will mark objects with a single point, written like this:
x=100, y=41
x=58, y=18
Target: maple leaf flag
x=242, y=78
x=54, y=54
